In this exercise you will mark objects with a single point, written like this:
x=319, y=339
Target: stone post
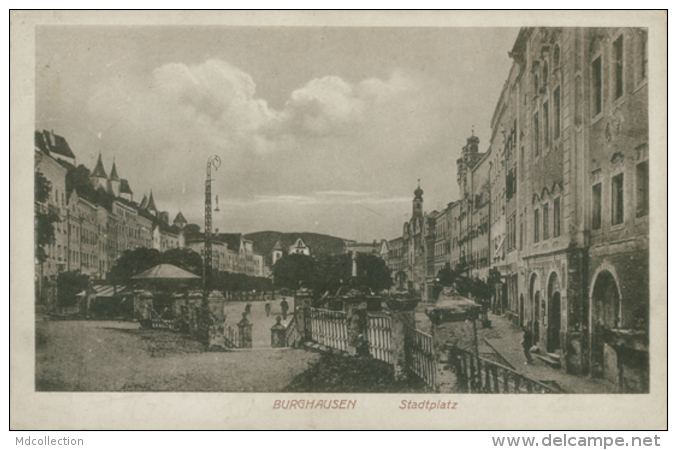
x=278, y=333
x=302, y=301
x=401, y=320
x=356, y=309
x=245, y=328
x=215, y=300
x=194, y=304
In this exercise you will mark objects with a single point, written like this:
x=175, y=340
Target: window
x=597, y=86
x=557, y=112
x=546, y=124
x=643, y=53
x=546, y=220
x=556, y=56
x=535, y=84
x=521, y=234
x=556, y=218
x=617, y=199
x=618, y=67
x=537, y=149
x=597, y=206
x=642, y=182
x=537, y=226
x=545, y=73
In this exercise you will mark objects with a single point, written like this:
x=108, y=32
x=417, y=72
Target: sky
x=319, y=129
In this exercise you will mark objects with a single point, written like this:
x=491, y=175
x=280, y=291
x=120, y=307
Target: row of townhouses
x=557, y=203
x=99, y=220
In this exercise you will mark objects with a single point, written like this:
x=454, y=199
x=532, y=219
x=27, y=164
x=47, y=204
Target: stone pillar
x=143, y=303
x=194, y=305
x=302, y=301
x=401, y=320
x=356, y=308
x=215, y=301
x=278, y=334
x=245, y=328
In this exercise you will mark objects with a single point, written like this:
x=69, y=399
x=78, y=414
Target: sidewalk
x=506, y=338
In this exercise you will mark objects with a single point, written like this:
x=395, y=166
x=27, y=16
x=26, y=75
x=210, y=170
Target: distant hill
x=319, y=244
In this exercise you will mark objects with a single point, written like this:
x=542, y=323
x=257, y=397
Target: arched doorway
x=535, y=297
x=606, y=315
x=554, y=314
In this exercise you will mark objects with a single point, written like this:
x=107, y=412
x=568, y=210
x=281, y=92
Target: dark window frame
x=597, y=85
x=617, y=199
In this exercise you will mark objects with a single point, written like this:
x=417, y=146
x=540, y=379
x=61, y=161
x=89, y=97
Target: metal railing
x=290, y=333
x=329, y=328
x=420, y=355
x=68, y=310
x=379, y=337
x=476, y=375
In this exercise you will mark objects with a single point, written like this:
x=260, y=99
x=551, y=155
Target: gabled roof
x=180, y=219
x=99, y=171
x=113, y=174
x=151, y=203
x=124, y=187
x=233, y=240
x=51, y=143
x=144, y=202
x=279, y=246
x=165, y=272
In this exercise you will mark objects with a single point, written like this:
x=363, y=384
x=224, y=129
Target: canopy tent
x=452, y=307
x=165, y=272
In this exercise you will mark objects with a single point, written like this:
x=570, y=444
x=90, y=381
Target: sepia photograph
x=435, y=212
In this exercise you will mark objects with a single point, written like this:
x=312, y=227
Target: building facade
x=558, y=204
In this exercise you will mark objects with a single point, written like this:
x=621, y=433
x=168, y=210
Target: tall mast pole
x=207, y=266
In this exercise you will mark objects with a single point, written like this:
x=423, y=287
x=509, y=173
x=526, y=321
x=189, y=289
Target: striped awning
x=104, y=291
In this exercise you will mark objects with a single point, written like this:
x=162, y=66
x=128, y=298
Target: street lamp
x=215, y=161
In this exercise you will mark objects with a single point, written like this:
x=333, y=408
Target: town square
x=334, y=209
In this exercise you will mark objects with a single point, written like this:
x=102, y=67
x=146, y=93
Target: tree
x=133, y=262
x=292, y=270
x=44, y=220
x=184, y=258
x=68, y=285
x=373, y=272
x=191, y=230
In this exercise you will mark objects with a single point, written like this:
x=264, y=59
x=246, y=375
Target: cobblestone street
x=119, y=356
x=505, y=339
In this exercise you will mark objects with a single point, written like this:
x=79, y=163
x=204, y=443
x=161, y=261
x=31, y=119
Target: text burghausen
x=314, y=404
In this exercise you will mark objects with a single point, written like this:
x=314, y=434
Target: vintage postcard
x=338, y=220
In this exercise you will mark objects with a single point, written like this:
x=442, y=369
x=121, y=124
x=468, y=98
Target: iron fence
x=329, y=328
x=379, y=336
x=476, y=374
x=420, y=355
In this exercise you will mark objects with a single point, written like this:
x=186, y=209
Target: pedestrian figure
x=267, y=308
x=285, y=307
x=248, y=309
x=527, y=342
